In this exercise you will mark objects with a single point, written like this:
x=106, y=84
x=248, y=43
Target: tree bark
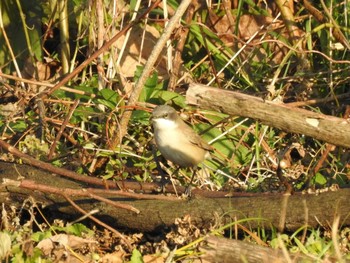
x=254, y=210
x=319, y=126
x=216, y=249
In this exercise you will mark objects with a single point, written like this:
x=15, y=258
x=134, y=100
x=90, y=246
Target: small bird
x=176, y=141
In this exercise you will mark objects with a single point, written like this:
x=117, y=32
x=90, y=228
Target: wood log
x=294, y=120
x=223, y=250
x=288, y=212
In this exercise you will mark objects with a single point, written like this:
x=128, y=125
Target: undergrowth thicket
x=257, y=54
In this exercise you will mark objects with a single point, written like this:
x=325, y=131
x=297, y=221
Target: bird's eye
x=166, y=115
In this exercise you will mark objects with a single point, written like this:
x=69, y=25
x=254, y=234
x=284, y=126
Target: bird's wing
x=203, y=144
x=197, y=140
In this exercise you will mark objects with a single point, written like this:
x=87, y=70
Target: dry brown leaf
x=115, y=257
x=62, y=240
x=131, y=56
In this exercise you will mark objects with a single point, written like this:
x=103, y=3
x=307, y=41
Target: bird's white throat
x=167, y=133
x=165, y=124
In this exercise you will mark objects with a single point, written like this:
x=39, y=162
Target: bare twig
x=44, y=84
x=28, y=184
x=180, y=45
x=78, y=208
x=63, y=126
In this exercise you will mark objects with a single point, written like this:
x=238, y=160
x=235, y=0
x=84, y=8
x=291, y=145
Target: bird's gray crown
x=164, y=111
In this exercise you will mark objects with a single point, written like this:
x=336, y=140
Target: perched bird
x=176, y=141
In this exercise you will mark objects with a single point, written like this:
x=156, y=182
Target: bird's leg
x=164, y=178
x=188, y=188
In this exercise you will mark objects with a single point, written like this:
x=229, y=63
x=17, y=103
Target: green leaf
x=275, y=243
x=18, y=126
x=172, y=96
x=38, y=236
x=109, y=98
x=133, y=4
x=77, y=229
x=82, y=113
x=149, y=92
x=320, y=179
x=89, y=90
x=140, y=116
x=224, y=145
x=300, y=245
x=213, y=116
x=136, y=257
x=151, y=81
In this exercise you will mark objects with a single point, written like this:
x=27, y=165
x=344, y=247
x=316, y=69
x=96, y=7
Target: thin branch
x=29, y=184
x=78, y=208
x=63, y=126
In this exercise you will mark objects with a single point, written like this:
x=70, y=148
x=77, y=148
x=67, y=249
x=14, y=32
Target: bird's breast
x=177, y=148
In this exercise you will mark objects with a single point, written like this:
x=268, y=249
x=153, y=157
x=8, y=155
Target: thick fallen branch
x=232, y=251
x=319, y=126
x=260, y=210
x=109, y=184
